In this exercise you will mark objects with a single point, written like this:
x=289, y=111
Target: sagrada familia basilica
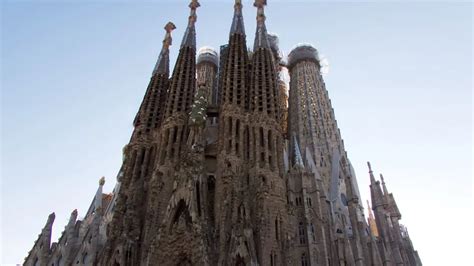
x=228, y=166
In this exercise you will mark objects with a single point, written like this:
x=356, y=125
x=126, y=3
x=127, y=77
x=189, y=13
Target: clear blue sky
x=400, y=80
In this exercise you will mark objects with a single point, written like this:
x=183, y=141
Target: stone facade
x=225, y=168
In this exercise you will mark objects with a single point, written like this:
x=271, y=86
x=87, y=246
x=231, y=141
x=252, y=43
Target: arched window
x=239, y=261
x=211, y=188
x=182, y=210
x=312, y=232
x=85, y=259
x=185, y=262
x=277, y=230
x=198, y=198
x=273, y=259
x=302, y=233
x=304, y=260
x=344, y=199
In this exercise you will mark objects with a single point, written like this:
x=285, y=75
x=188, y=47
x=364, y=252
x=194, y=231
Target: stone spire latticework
x=150, y=114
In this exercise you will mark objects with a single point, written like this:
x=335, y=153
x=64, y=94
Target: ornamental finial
x=189, y=38
x=193, y=6
x=370, y=167
x=169, y=27
x=259, y=4
x=102, y=181
x=238, y=4
x=238, y=20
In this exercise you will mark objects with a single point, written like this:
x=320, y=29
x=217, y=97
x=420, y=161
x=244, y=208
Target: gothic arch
x=181, y=210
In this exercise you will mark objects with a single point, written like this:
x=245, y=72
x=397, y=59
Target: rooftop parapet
x=303, y=52
x=208, y=54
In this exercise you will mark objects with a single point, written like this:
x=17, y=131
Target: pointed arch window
x=273, y=258
x=198, y=198
x=301, y=232
x=211, y=188
x=304, y=260
x=277, y=229
x=85, y=259
x=344, y=199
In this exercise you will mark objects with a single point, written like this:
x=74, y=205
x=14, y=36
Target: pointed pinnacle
x=372, y=178
x=238, y=20
x=385, y=190
x=102, y=181
x=51, y=218
x=73, y=216
x=370, y=167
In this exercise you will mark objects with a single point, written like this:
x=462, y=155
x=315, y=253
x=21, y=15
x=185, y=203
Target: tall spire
x=372, y=178
x=385, y=190
x=238, y=20
x=189, y=38
x=261, y=40
x=163, y=64
x=378, y=198
x=98, y=194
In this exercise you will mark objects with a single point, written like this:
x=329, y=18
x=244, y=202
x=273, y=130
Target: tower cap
x=303, y=51
x=208, y=54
